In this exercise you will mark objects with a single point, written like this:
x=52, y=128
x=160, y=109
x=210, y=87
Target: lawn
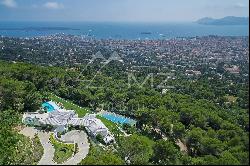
x=70, y=106
x=62, y=151
x=110, y=125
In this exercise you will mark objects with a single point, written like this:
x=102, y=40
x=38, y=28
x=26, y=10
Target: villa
x=60, y=119
x=95, y=126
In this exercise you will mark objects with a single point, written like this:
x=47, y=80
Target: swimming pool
x=118, y=118
x=50, y=106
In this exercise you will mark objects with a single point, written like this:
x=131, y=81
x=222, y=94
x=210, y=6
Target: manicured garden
x=63, y=151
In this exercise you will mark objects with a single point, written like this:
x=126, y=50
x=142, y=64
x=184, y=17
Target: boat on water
x=146, y=33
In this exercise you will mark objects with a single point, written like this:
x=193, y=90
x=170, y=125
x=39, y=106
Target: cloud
x=240, y=5
x=53, y=5
x=9, y=3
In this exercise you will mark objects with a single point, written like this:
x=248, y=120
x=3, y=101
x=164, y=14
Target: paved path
x=29, y=132
x=182, y=146
x=178, y=142
x=79, y=137
x=48, y=154
x=48, y=149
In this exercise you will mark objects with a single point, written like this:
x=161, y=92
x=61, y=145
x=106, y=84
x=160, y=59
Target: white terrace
x=63, y=118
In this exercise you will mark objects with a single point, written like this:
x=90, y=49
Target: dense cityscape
x=186, y=53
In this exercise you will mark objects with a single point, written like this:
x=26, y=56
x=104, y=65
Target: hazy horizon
x=118, y=22
x=141, y=11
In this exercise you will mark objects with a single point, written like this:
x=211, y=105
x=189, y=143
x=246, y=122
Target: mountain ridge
x=228, y=20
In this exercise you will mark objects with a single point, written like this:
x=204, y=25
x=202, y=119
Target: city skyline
x=120, y=10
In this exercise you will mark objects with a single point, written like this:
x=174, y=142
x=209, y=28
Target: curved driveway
x=48, y=153
x=79, y=137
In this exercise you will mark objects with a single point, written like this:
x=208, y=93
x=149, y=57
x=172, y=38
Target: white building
x=61, y=119
x=95, y=126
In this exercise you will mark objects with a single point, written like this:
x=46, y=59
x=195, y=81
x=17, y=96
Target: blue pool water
x=118, y=118
x=50, y=106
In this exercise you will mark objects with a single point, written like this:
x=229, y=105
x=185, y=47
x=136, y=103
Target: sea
x=109, y=30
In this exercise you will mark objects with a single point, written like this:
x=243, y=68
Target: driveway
x=79, y=137
x=29, y=132
x=48, y=153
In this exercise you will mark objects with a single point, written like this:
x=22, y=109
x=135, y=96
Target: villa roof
x=78, y=122
x=63, y=118
x=97, y=127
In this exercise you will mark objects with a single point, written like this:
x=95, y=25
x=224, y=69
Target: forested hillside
x=199, y=114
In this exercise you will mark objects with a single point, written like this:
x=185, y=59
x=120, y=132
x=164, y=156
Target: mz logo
x=150, y=79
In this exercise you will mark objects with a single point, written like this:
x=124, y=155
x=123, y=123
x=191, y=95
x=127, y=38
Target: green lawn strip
x=70, y=106
x=62, y=151
x=110, y=125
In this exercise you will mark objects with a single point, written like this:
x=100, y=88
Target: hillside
x=229, y=20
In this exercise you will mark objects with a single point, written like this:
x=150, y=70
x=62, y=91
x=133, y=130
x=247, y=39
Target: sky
x=120, y=10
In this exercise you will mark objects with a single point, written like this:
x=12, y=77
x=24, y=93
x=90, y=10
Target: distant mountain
x=229, y=20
